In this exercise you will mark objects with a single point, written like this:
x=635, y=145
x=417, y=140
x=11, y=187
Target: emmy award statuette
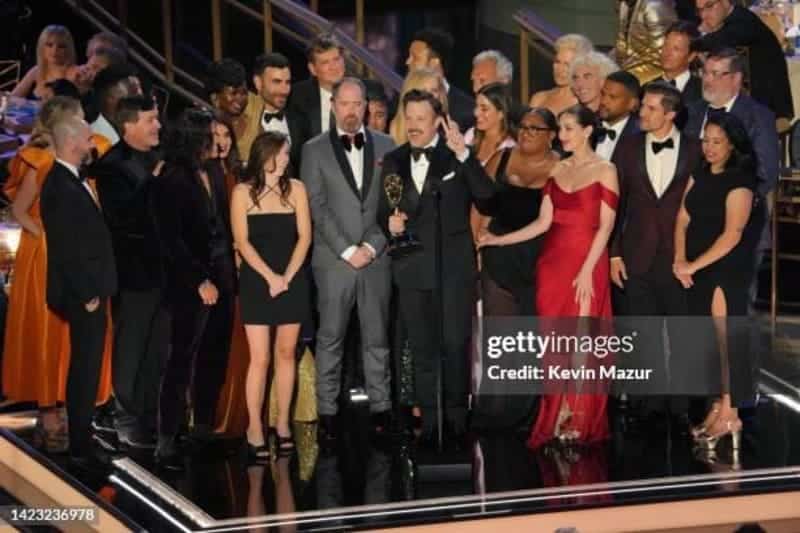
x=404, y=243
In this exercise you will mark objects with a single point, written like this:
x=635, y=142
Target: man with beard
x=619, y=99
x=272, y=79
x=341, y=170
x=81, y=276
x=227, y=91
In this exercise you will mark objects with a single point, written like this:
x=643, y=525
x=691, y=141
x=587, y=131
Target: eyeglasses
x=708, y=7
x=533, y=129
x=716, y=74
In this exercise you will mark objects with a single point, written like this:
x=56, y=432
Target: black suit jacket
x=465, y=182
x=181, y=210
x=760, y=124
x=645, y=225
x=80, y=256
x=461, y=107
x=124, y=178
x=769, y=75
x=692, y=91
x=304, y=101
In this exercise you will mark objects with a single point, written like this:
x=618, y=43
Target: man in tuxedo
x=722, y=91
x=441, y=178
x=341, y=169
x=81, y=275
x=732, y=26
x=312, y=97
x=268, y=111
x=653, y=168
x=619, y=100
x=124, y=177
x=433, y=48
x=676, y=59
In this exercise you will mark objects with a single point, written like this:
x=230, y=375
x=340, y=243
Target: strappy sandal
x=284, y=445
x=258, y=454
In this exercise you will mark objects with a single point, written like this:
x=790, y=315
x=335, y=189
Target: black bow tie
x=417, y=152
x=609, y=133
x=657, y=147
x=83, y=174
x=356, y=140
x=672, y=82
x=269, y=117
x=715, y=112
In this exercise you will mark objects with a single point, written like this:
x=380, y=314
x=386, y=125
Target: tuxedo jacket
x=80, y=255
x=304, y=101
x=769, y=74
x=645, y=225
x=298, y=130
x=631, y=129
x=457, y=185
x=692, y=91
x=760, y=124
x=124, y=178
x=182, y=212
x=343, y=214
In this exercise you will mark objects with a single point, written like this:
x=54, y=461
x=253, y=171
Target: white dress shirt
x=72, y=168
x=661, y=167
x=280, y=126
x=419, y=168
x=325, y=108
x=727, y=107
x=102, y=126
x=680, y=80
x=606, y=148
x=356, y=159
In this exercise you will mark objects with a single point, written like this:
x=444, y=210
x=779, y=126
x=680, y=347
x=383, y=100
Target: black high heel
x=281, y=444
x=258, y=454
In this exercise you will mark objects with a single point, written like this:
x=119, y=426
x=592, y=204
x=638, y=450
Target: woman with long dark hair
x=716, y=235
x=272, y=228
x=190, y=211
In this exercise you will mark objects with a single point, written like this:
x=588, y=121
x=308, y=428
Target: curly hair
x=225, y=73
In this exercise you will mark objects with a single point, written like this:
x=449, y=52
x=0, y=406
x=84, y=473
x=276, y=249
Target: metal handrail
x=534, y=32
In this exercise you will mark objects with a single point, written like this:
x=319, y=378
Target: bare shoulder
x=297, y=186
x=607, y=174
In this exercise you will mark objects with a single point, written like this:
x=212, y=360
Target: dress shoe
x=328, y=430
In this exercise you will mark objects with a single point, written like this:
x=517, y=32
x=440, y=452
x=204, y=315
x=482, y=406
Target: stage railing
x=536, y=33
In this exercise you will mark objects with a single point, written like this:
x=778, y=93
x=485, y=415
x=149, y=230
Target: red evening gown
x=576, y=218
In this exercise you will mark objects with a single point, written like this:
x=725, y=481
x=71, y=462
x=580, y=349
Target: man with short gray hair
x=81, y=276
x=341, y=169
x=588, y=74
x=490, y=66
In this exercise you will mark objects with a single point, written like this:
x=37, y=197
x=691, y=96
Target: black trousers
x=87, y=333
x=198, y=360
x=420, y=313
x=141, y=342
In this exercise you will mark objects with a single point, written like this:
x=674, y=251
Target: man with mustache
x=341, y=170
x=272, y=79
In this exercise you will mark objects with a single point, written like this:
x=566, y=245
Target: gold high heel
x=701, y=430
x=732, y=428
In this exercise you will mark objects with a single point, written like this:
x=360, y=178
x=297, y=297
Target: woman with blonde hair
x=36, y=344
x=560, y=97
x=55, y=60
x=424, y=79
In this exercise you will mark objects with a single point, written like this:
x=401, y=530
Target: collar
x=72, y=168
x=673, y=134
x=619, y=126
x=683, y=78
x=731, y=102
x=433, y=142
x=323, y=92
x=446, y=84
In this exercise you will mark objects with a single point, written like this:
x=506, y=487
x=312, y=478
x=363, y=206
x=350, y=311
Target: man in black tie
x=267, y=110
x=341, y=170
x=441, y=178
x=676, y=59
x=619, y=99
x=312, y=97
x=81, y=275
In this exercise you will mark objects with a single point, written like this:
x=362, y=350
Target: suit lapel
x=344, y=164
x=369, y=164
x=641, y=163
x=68, y=175
x=314, y=107
x=434, y=175
x=681, y=164
x=410, y=199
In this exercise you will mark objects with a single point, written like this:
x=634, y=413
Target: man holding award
x=341, y=169
x=433, y=256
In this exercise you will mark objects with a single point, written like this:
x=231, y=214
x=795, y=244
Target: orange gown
x=36, y=346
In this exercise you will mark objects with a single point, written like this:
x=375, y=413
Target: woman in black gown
x=272, y=229
x=507, y=272
x=716, y=235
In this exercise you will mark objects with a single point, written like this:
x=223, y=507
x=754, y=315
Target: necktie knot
x=349, y=141
x=658, y=146
x=269, y=117
x=417, y=152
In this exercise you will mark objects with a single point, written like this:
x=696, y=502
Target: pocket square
x=449, y=176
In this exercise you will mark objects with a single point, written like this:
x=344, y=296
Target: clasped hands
x=361, y=257
x=684, y=271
